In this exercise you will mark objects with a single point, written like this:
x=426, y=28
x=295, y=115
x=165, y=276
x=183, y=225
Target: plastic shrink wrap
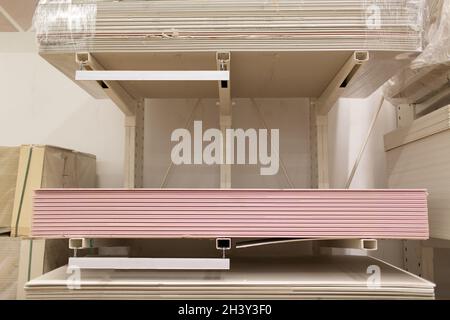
x=429, y=73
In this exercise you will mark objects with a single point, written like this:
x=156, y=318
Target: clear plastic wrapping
x=430, y=71
x=436, y=35
x=198, y=25
x=387, y=20
x=64, y=18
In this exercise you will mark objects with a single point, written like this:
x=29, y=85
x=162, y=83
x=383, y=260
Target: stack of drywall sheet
x=197, y=25
x=9, y=162
x=319, y=277
x=42, y=166
x=211, y=213
x=418, y=157
x=9, y=266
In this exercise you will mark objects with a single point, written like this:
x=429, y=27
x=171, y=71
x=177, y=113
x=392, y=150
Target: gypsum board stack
x=309, y=277
x=237, y=213
x=194, y=25
x=419, y=155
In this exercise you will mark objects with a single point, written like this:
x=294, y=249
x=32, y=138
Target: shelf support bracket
x=340, y=82
x=123, y=100
x=225, y=105
x=134, y=147
x=405, y=115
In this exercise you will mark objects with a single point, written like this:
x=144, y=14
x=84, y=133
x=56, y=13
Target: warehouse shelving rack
x=342, y=76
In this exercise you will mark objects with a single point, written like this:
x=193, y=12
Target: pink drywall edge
x=238, y=213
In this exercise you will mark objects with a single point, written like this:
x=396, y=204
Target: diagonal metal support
x=342, y=79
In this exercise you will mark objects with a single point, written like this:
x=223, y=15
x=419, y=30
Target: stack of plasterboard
x=198, y=25
x=418, y=157
x=245, y=213
x=26, y=168
x=319, y=277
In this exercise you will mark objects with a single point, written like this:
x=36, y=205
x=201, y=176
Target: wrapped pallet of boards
x=30, y=167
x=199, y=25
x=417, y=157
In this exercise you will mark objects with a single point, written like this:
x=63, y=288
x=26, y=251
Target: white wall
x=39, y=105
x=290, y=116
x=348, y=124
